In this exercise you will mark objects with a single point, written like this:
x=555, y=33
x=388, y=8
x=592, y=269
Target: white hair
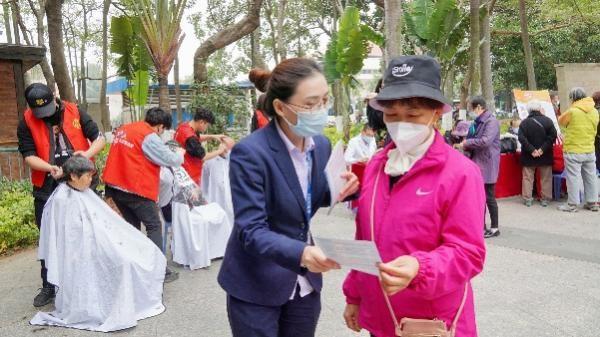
x=534, y=105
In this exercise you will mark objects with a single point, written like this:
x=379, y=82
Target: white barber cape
x=200, y=230
x=359, y=149
x=108, y=275
x=215, y=184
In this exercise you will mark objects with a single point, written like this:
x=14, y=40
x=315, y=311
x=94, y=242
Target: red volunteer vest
x=127, y=167
x=192, y=165
x=71, y=127
x=261, y=119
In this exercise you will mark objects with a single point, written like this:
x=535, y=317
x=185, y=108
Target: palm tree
x=161, y=22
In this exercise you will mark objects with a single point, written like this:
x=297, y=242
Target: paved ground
x=542, y=278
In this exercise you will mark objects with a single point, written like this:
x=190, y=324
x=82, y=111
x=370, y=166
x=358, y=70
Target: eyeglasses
x=326, y=103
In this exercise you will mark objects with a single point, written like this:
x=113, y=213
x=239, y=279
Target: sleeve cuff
x=424, y=273
x=352, y=300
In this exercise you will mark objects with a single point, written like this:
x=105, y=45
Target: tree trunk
x=256, y=54
x=393, y=29
x=178, y=92
x=83, y=73
x=6, y=9
x=487, y=86
x=57, y=49
x=39, y=13
x=104, y=110
x=281, y=48
x=72, y=67
x=163, y=93
x=531, y=83
x=15, y=23
x=449, y=83
x=475, y=39
x=224, y=38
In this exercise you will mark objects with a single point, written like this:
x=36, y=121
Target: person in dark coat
x=484, y=145
x=596, y=97
x=537, y=135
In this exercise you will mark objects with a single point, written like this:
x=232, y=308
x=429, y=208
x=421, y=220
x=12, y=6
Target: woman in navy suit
x=271, y=271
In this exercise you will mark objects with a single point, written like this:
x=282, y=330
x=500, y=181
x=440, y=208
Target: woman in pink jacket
x=423, y=204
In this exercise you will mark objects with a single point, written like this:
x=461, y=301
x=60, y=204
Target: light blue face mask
x=310, y=124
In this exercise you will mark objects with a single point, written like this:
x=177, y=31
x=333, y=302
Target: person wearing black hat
x=422, y=204
x=50, y=132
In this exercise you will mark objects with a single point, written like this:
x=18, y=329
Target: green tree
x=161, y=22
x=344, y=58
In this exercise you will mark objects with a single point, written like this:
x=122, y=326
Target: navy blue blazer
x=262, y=260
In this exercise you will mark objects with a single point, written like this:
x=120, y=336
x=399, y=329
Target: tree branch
x=380, y=3
x=541, y=31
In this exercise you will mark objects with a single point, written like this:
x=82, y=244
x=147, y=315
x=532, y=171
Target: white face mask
x=408, y=136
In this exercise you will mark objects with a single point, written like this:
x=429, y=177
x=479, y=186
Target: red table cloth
x=510, y=176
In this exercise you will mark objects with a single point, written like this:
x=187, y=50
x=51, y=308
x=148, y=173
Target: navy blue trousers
x=296, y=318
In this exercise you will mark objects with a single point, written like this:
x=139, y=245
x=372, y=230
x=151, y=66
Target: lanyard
x=309, y=161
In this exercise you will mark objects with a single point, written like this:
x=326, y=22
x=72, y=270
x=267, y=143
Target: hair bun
x=260, y=78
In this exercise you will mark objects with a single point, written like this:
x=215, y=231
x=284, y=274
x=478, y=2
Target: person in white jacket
x=362, y=147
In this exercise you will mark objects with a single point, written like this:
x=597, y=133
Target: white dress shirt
x=299, y=159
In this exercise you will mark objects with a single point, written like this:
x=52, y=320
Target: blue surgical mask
x=310, y=124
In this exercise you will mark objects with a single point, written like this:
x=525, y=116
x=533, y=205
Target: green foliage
x=334, y=136
x=223, y=100
x=17, y=220
x=439, y=27
x=348, y=48
x=134, y=62
x=575, y=42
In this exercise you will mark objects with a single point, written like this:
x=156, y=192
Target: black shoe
x=45, y=296
x=490, y=233
x=171, y=275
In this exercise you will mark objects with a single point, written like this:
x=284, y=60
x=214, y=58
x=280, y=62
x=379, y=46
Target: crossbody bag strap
x=460, y=310
x=385, y=296
x=372, y=220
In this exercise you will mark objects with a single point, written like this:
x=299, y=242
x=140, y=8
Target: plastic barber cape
x=215, y=184
x=200, y=230
x=108, y=275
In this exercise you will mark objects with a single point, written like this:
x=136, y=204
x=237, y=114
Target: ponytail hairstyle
x=282, y=82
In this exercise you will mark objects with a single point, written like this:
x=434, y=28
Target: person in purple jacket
x=484, y=145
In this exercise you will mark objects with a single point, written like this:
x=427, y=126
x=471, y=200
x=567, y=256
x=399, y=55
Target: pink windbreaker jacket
x=435, y=213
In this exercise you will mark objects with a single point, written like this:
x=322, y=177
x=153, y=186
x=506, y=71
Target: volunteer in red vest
x=50, y=132
x=189, y=137
x=132, y=173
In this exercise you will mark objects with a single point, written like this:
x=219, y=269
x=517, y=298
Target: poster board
x=522, y=97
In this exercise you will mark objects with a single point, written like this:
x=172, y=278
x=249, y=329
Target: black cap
x=40, y=99
x=412, y=76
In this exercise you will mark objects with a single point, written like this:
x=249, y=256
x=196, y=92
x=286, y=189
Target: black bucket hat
x=412, y=76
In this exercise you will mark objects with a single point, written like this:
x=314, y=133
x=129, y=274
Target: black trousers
x=137, y=210
x=38, y=205
x=492, y=205
x=296, y=318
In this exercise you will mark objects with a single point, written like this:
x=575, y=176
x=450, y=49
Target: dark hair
x=260, y=78
x=366, y=127
x=478, y=101
x=379, y=85
x=282, y=82
x=596, y=98
x=203, y=114
x=158, y=116
x=418, y=102
x=77, y=165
